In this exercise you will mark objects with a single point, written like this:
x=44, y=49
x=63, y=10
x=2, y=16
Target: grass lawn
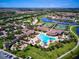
x=74, y=29
x=73, y=53
x=37, y=53
x=1, y=43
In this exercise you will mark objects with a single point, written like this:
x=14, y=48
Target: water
x=77, y=31
x=48, y=20
x=45, y=38
x=66, y=23
x=77, y=57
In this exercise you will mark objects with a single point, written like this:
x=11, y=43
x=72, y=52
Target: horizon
x=36, y=8
x=39, y=4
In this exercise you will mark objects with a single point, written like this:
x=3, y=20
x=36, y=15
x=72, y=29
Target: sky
x=39, y=3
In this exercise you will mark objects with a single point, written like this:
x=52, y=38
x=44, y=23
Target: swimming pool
x=45, y=38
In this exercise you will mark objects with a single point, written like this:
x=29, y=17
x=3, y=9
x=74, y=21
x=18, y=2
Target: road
x=57, y=58
x=73, y=48
x=3, y=57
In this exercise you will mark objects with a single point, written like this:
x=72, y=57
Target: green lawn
x=74, y=29
x=1, y=43
x=74, y=53
x=37, y=53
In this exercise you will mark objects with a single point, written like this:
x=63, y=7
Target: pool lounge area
x=45, y=38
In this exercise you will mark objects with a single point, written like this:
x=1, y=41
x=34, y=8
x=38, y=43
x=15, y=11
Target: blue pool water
x=77, y=31
x=65, y=23
x=45, y=38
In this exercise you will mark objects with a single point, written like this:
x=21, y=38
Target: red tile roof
x=42, y=28
x=54, y=32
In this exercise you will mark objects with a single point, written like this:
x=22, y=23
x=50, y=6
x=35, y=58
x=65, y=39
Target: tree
x=1, y=43
x=77, y=22
x=21, y=54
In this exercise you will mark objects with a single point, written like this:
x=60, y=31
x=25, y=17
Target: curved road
x=73, y=48
x=2, y=55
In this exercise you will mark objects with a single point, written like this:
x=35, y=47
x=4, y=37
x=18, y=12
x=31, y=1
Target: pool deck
x=48, y=40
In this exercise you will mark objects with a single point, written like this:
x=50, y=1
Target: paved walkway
x=73, y=48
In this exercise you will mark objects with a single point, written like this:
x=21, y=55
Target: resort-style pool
x=45, y=38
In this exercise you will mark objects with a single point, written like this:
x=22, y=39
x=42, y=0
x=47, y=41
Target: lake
x=77, y=57
x=77, y=31
x=58, y=22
